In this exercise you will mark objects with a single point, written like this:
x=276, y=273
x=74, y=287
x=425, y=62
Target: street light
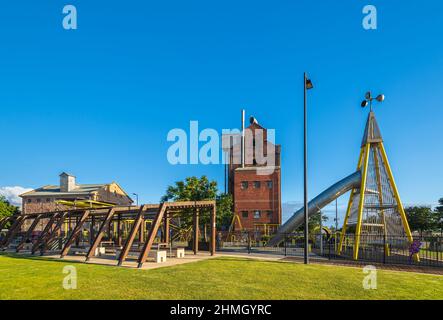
x=307, y=84
x=136, y=196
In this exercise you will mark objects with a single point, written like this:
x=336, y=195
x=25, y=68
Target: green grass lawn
x=219, y=278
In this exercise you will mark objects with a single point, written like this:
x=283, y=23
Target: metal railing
x=423, y=251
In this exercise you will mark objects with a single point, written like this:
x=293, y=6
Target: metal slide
x=324, y=198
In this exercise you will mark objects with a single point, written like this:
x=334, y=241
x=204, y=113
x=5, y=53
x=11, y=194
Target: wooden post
x=13, y=231
x=151, y=235
x=130, y=240
x=91, y=230
x=54, y=233
x=103, y=227
x=74, y=233
x=3, y=222
x=141, y=236
x=119, y=230
x=167, y=227
x=213, y=230
x=28, y=233
x=46, y=230
x=196, y=216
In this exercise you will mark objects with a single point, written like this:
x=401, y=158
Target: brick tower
x=254, y=179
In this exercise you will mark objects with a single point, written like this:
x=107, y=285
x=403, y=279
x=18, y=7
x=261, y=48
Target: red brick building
x=255, y=182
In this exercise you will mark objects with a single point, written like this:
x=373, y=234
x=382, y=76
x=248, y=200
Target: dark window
x=29, y=200
x=39, y=200
x=269, y=213
x=48, y=199
x=256, y=184
x=269, y=184
x=244, y=214
x=257, y=214
x=244, y=185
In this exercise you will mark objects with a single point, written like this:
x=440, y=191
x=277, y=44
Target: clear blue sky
x=99, y=101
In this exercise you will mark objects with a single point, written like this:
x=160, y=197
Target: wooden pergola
x=160, y=216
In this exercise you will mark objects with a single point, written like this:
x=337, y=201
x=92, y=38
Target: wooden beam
x=167, y=227
x=130, y=240
x=3, y=222
x=103, y=227
x=28, y=233
x=91, y=229
x=213, y=230
x=141, y=235
x=119, y=230
x=12, y=231
x=75, y=233
x=52, y=234
x=151, y=235
x=44, y=233
x=195, y=231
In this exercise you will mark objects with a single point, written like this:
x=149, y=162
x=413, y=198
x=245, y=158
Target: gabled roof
x=372, y=131
x=52, y=190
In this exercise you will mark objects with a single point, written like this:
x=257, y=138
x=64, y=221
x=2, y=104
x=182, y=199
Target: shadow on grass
x=28, y=256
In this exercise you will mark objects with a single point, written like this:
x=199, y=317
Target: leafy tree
x=438, y=216
x=314, y=222
x=7, y=210
x=192, y=189
x=224, y=210
x=420, y=218
x=198, y=189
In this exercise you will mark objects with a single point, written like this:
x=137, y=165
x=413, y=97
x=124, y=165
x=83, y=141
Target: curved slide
x=324, y=198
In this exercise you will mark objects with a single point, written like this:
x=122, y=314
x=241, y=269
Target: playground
x=233, y=278
x=175, y=244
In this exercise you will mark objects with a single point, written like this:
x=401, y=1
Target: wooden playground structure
x=140, y=231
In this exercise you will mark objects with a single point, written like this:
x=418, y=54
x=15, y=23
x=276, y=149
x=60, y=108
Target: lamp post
x=307, y=84
x=136, y=197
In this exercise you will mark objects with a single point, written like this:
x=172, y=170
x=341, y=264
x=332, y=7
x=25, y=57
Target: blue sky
x=99, y=101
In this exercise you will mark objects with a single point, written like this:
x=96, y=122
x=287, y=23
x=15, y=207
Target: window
x=39, y=200
x=269, y=213
x=244, y=214
x=269, y=184
x=29, y=200
x=48, y=199
x=244, y=185
x=256, y=184
x=257, y=214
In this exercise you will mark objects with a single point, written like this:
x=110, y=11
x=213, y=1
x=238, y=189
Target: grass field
x=219, y=278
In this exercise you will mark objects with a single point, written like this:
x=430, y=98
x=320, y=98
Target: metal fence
x=423, y=251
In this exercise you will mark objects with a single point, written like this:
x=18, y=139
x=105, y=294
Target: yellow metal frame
x=363, y=161
x=397, y=197
x=348, y=210
x=380, y=198
x=362, y=200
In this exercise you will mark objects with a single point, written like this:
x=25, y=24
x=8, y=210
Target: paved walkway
x=129, y=263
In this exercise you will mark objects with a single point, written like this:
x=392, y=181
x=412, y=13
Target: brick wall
x=261, y=198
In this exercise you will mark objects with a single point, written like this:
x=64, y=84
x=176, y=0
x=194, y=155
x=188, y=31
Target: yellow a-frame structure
x=375, y=209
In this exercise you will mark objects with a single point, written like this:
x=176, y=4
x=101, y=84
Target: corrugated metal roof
x=51, y=190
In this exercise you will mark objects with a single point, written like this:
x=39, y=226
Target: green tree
x=420, y=218
x=198, y=189
x=7, y=210
x=438, y=216
x=314, y=222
